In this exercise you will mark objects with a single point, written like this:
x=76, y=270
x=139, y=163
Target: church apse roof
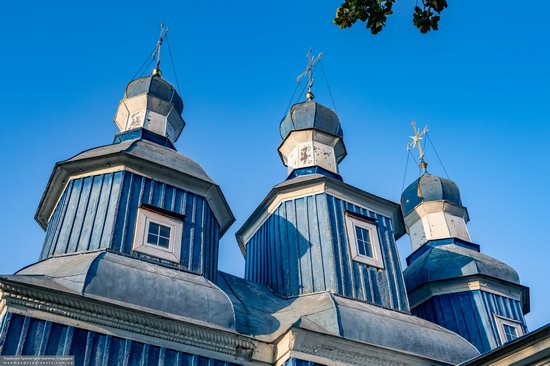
x=135, y=284
x=450, y=261
x=266, y=317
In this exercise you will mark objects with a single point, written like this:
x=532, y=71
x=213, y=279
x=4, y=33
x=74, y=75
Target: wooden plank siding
x=99, y=212
x=471, y=314
x=24, y=336
x=303, y=248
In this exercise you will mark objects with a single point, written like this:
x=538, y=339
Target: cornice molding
x=330, y=350
x=470, y=283
x=77, y=308
x=64, y=171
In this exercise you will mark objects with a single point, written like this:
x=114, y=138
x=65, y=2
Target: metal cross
x=311, y=61
x=156, y=52
x=418, y=135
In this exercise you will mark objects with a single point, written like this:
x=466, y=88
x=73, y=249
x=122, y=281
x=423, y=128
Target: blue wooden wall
x=471, y=314
x=303, y=248
x=100, y=212
x=22, y=335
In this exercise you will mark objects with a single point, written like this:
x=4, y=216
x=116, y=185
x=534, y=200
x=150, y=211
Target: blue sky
x=482, y=84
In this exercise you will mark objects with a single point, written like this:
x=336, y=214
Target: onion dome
x=308, y=115
x=429, y=188
x=156, y=86
x=312, y=140
x=151, y=103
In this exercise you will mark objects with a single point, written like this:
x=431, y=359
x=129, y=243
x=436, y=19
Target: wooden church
x=128, y=273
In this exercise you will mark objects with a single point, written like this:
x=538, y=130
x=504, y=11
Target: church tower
x=449, y=281
x=315, y=233
x=131, y=247
x=137, y=196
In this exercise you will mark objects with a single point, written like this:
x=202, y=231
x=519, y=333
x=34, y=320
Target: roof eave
x=63, y=171
x=394, y=208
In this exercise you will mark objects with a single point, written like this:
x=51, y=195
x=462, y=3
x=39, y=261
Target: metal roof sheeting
x=265, y=316
x=429, y=188
x=310, y=115
x=450, y=261
x=133, y=283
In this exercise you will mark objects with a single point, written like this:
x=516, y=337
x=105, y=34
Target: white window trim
x=376, y=260
x=501, y=321
x=144, y=218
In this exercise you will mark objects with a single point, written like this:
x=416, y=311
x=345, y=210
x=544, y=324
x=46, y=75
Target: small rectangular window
x=158, y=235
x=510, y=332
x=508, y=329
x=363, y=240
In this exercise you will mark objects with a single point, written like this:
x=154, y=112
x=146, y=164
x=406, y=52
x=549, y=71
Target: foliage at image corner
x=375, y=13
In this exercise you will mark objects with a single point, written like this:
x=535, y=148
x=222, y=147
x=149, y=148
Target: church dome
x=449, y=261
x=429, y=188
x=156, y=86
x=310, y=115
x=152, y=103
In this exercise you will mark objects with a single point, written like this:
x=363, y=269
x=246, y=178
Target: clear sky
x=481, y=83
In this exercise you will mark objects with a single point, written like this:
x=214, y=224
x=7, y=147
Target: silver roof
x=157, y=161
x=136, y=284
x=157, y=86
x=265, y=316
x=310, y=114
x=150, y=151
x=443, y=262
x=240, y=306
x=429, y=188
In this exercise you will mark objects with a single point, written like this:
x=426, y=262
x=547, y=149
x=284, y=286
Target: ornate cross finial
x=156, y=52
x=311, y=61
x=418, y=135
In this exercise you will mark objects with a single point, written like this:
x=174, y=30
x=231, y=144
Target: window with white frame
x=363, y=240
x=158, y=235
x=508, y=329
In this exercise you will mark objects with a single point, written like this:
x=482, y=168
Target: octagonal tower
x=449, y=281
x=138, y=196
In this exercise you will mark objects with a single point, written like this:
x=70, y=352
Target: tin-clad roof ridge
x=144, y=157
x=450, y=261
x=133, y=283
x=266, y=316
x=139, y=148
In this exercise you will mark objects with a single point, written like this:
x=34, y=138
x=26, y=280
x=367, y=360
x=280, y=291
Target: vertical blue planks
x=30, y=336
x=303, y=248
x=472, y=315
x=99, y=212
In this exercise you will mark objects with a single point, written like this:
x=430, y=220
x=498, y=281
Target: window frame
x=501, y=322
x=354, y=220
x=144, y=218
x=171, y=229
